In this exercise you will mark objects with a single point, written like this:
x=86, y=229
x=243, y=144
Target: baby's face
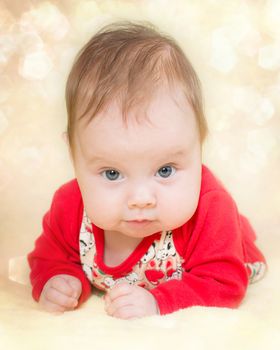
x=141, y=178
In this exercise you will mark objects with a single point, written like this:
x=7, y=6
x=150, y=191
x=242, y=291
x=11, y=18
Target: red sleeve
x=213, y=272
x=57, y=248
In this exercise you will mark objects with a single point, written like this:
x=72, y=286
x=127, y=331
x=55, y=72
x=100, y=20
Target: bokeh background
x=235, y=47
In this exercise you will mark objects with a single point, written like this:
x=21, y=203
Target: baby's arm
x=213, y=273
x=56, y=250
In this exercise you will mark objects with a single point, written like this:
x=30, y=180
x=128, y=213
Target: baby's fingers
x=54, y=296
x=113, y=308
x=120, y=290
x=62, y=286
x=51, y=307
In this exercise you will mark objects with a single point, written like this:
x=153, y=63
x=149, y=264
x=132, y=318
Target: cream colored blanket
x=255, y=325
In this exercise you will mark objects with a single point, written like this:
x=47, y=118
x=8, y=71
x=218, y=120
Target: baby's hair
x=128, y=62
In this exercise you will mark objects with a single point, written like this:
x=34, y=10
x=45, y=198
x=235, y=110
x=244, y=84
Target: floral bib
x=160, y=263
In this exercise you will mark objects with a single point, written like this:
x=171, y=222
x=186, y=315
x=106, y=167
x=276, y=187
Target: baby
x=144, y=220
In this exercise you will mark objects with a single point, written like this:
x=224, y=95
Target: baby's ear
x=65, y=138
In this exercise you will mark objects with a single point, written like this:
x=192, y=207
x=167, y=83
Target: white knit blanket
x=255, y=325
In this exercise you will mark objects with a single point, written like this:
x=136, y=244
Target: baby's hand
x=128, y=301
x=61, y=293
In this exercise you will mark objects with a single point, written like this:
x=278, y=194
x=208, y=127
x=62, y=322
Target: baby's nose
x=141, y=204
x=142, y=198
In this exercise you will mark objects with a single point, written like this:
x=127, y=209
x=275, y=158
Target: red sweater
x=215, y=243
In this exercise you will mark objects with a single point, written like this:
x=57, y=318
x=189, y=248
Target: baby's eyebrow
x=95, y=158
x=177, y=153
x=173, y=154
x=162, y=157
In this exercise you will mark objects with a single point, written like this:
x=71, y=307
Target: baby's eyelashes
x=115, y=175
x=166, y=171
x=112, y=175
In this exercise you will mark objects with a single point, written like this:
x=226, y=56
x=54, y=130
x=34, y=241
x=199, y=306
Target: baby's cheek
x=103, y=210
x=178, y=208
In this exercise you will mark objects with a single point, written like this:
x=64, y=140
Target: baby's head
x=135, y=130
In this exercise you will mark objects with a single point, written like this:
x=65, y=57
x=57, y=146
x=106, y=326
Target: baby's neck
x=118, y=247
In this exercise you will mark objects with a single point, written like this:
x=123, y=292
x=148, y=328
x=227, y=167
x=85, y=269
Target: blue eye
x=166, y=171
x=111, y=174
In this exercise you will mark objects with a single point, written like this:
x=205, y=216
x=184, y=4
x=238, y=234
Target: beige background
x=235, y=48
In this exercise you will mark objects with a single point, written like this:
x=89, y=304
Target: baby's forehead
x=140, y=110
x=165, y=123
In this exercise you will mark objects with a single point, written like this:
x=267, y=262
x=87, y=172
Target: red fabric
x=214, y=243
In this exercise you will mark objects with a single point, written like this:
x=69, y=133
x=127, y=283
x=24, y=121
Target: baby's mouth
x=139, y=222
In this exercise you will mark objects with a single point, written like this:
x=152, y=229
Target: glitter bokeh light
x=235, y=48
